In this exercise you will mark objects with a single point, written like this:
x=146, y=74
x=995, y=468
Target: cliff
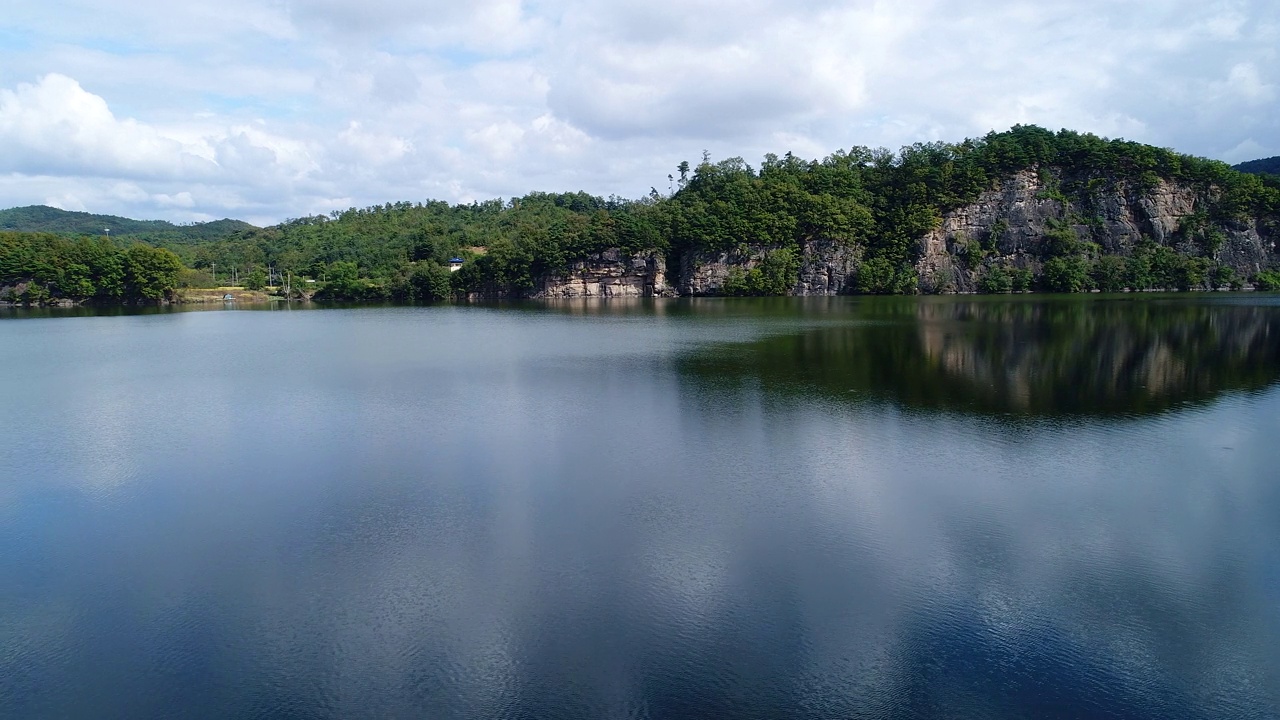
x=611, y=273
x=826, y=267
x=1013, y=226
x=1010, y=225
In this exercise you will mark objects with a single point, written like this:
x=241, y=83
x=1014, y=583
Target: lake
x=1006, y=507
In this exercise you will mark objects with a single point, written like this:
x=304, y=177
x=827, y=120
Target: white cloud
x=280, y=110
x=373, y=147
x=1245, y=82
x=56, y=125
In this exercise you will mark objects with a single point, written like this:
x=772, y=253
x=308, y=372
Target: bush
x=997, y=279
x=257, y=279
x=1061, y=240
x=878, y=276
x=775, y=275
x=1224, y=276
x=1267, y=280
x=1110, y=274
x=1067, y=275
x=1022, y=279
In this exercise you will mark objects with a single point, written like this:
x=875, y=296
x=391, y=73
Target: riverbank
x=218, y=295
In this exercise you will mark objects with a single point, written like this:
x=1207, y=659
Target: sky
x=268, y=110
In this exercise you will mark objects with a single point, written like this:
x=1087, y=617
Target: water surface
x=784, y=508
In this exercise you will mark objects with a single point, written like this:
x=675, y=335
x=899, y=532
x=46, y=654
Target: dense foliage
x=1265, y=166
x=877, y=200
x=38, y=267
x=40, y=218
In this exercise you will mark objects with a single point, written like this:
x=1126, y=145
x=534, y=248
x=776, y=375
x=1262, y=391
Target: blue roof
x=452, y=260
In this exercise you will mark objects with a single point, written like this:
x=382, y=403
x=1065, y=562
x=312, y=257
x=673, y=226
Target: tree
x=257, y=279
x=151, y=273
x=1110, y=274
x=344, y=280
x=1066, y=275
x=997, y=279
x=429, y=282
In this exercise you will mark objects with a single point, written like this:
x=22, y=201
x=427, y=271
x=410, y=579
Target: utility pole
x=213, y=269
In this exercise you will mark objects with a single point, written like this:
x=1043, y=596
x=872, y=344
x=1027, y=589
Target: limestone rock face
x=1019, y=210
x=611, y=273
x=703, y=272
x=827, y=267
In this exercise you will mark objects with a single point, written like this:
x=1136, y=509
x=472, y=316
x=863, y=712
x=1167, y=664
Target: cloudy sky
x=265, y=110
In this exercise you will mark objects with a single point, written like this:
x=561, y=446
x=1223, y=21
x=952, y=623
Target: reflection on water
x=786, y=508
x=1043, y=357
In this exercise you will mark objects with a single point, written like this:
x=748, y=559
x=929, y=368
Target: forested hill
x=1265, y=166
x=1023, y=209
x=41, y=218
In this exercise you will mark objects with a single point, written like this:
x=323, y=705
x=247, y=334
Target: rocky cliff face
x=1015, y=217
x=827, y=267
x=611, y=273
x=1007, y=226
x=703, y=272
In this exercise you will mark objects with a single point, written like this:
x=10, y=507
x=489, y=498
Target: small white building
x=455, y=264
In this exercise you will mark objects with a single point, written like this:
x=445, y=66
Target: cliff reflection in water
x=1043, y=356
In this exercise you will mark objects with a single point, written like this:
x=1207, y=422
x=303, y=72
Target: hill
x=1027, y=208
x=1024, y=209
x=41, y=218
x=1265, y=166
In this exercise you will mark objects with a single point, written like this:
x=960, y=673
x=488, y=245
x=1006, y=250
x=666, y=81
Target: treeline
x=36, y=268
x=1265, y=166
x=395, y=248
x=41, y=218
x=880, y=201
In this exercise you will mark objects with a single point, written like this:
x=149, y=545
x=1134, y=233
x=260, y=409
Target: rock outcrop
x=827, y=267
x=1014, y=218
x=1008, y=225
x=611, y=273
x=703, y=272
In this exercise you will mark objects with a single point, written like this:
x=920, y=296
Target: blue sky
x=264, y=111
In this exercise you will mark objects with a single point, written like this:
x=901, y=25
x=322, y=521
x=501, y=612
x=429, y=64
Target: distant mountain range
x=1265, y=166
x=41, y=218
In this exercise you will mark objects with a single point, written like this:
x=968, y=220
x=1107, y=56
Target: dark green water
x=827, y=508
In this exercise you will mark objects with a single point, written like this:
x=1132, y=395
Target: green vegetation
x=878, y=201
x=39, y=218
x=1268, y=280
x=38, y=267
x=1265, y=166
x=775, y=275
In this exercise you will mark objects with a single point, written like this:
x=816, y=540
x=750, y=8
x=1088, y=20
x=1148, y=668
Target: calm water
x=1005, y=508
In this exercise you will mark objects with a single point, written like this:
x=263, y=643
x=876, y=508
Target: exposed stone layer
x=1020, y=209
x=611, y=274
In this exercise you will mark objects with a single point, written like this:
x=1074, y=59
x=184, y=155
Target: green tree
x=1110, y=273
x=151, y=273
x=1268, y=280
x=997, y=279
x=429, y=282
x=256, y=280
x=1066, y=274
x=343, y=280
